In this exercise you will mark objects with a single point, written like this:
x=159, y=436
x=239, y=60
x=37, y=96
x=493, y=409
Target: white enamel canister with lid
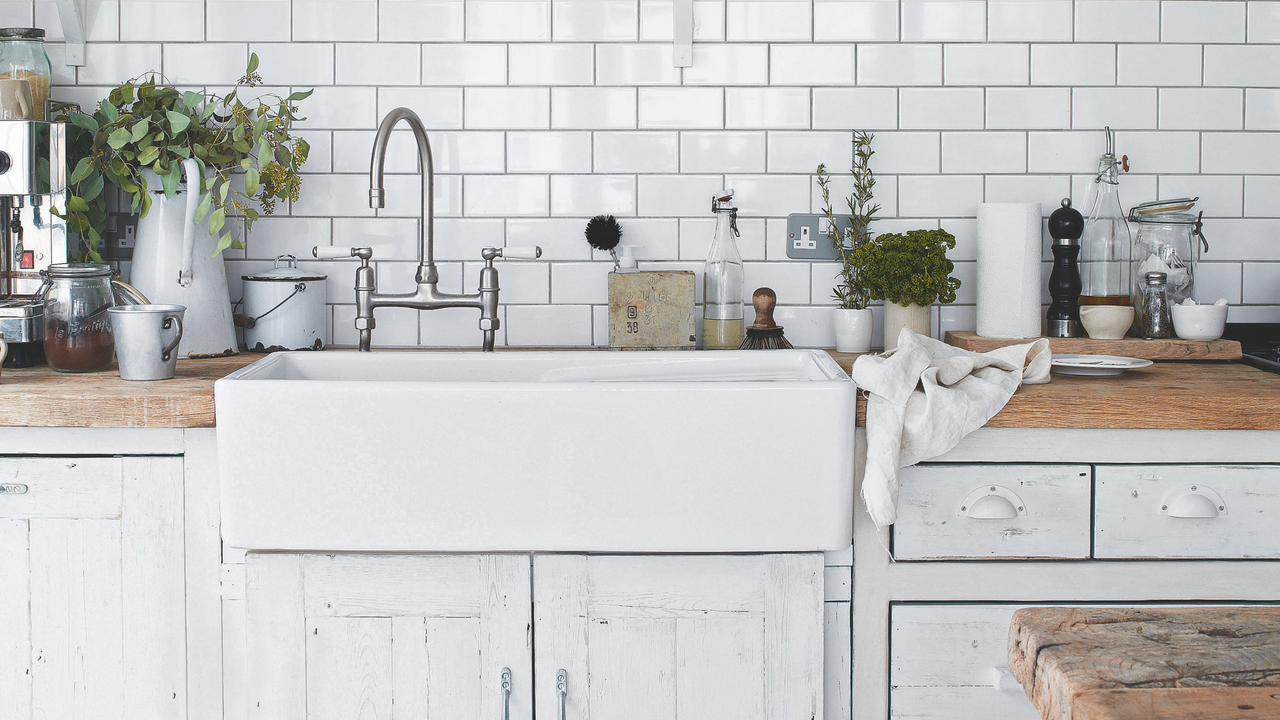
x=287, y=308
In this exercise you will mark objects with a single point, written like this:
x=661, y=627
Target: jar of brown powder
x=77, y=326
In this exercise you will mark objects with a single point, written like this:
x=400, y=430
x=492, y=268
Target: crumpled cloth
x=925, y=396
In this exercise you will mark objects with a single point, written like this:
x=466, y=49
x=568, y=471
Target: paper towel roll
x=1009, y=250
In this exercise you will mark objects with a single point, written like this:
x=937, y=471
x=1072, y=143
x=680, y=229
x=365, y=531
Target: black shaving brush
x=604, y=233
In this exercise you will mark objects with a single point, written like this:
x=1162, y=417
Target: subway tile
x=1216, y=280
x=521, y=282
x=841, y=188
x=1028, y=108
x=806, y=326
x=1134, y=189
x=1160, y=152
x=957, y=318
x=593, y=195
x=549, y=152
x=1158, y=65
x=101, y=19
x=801, y=152
x=161, y=20
x=1220, y=195
x=635, y=64
x=1248, y=239
x=335, y=20
x=459, y=152
x=906, y=152
x=658, y=239
x=17, y=13
x=656, y=22
x=1117, y=21
x=110, y=64
x=944, y=20
x=767, y=20
x=60, y=72
x=224, y=20
x=511, y=20
x=459, y=64
x=940, y=108
x=766, y=107
x=404, y=195
x=1119, y=108
x=722, y=152
x=559, y=238
x=984, y=152
x=377, y=63
x=326, y=194
x=1029, y=20
x=397, y=327
x=341, y=108
x=1047, y=190
x=464, y=238
x=593, y=108
x=1242, y=65
x=637, y=152
x=550, y=64
x=1201, y=108
x=789, y=281
x=453, y=328
x=506, y=108
x=420, y=20
x=728, y=65
x=1202, y=21
x=899, y=64
x=436, y=107
x=769, y=195
x=864, y=108
x=676, y=195
x=505, y=195
x=1261, y=283
x=205, y=63
x=391, y=238
x=825, y=277
x=1262, y=196
x=985, y=65
x=1075, y=64
x=681, y=107
x=548, y=325
x=580, y=283
x=931, y=196
x=1261, y=109
x=296, y=63
x=696, y=235
x=594, y=20
x=1263, y=22
x=320, y=155
x=811, y=65
x=855, y=20
x=1240, y=153
x=277, y=235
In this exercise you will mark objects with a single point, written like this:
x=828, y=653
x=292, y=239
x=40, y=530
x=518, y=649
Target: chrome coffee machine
x=33, y=179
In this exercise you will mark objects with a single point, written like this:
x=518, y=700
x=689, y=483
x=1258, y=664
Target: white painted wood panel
x=15, y=621
x=837, y=664
x=348, y=668
x=276, y=687
x=1131, y=523
x=203, y=549
x=436, y=669
x=1053, y=521
x=62, y=487
x=385, y=585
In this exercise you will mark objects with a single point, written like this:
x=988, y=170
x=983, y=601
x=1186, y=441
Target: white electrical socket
x=806, y=240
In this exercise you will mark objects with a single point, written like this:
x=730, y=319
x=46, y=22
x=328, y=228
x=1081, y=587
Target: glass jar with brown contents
x=77, y=326
x=24, y=74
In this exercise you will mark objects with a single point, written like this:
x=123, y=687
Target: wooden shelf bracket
x=71, y=12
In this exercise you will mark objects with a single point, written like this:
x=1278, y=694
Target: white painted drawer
x=76, y=487
x=1187, y=511
x=938, y=518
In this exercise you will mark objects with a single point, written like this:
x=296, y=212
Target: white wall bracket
x=681, y=33
x=71, y=12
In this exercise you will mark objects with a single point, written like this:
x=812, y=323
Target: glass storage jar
x=1168, y=243
x=23, y=62
x=77, y=326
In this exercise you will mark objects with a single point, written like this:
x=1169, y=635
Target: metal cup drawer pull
x=1195, y=502
x=13, y=489
x=992, y=502
x=506, y=693
x=562, y=688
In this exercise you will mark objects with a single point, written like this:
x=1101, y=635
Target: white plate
x=1095, y=365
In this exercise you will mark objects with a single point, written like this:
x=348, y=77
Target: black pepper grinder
x=1065, y=227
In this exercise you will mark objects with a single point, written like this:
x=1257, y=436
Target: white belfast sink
x=741, y=451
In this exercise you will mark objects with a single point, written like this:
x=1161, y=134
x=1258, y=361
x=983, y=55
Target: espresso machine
x=33, y=180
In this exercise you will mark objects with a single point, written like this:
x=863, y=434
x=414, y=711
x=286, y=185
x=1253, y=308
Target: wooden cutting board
x=1172, y=349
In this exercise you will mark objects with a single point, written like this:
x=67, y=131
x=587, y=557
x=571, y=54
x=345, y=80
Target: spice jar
x=77, y=326
x=1154, y=319
x=24, y=74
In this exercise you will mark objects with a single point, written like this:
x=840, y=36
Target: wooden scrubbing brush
x=764, y=333
x=604, y=233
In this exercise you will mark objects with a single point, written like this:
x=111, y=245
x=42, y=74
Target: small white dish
x=1096, y=365
x=1199, y=322
x=1106, y=322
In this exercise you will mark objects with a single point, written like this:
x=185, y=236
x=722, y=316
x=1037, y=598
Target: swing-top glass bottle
x=722, y=280
x=1105, y=244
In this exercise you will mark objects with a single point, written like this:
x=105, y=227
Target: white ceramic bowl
x=1106, y=322
x=1199, y=322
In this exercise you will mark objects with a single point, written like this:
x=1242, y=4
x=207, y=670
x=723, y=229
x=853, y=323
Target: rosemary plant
x=851, y=292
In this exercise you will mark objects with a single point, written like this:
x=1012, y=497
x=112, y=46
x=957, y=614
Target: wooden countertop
x=1210, y=396
x=1201, y=663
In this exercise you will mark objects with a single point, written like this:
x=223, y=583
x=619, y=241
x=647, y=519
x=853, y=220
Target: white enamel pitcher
x=173, y=264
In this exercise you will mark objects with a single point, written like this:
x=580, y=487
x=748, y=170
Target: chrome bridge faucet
x=427, y=296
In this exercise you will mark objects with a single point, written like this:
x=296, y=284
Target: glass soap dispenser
x=722, y=280
x=1104, y=245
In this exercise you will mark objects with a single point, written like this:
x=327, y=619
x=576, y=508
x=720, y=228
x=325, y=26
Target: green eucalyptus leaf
x=139, y=130
x=192, y=99
x=224, y=242
x=75, y=203
x=251, y=182
x=118, y=138
x=238, y=133
x=216, y=221
x=82, y=170
x=207, y=112
x=170, y=180
x=180, y=151
x=202, y=210
x=178, y=121
x=222, y=191
x=241, y=146
x=253, y=63
x=146, y=204
x=304, y=149
x=85, y=121
x=250, y=214
x=148, y=155
x=92, y=187
x=110, y=111
x=300, y=95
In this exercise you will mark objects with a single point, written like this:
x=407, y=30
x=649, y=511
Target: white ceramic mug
x=147, y=338
x=16, y=102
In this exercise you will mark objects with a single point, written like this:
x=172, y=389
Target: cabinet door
x=662, y=637
x=92, y=616
x=346, y=636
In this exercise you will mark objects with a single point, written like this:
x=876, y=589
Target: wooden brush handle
x=764, y=299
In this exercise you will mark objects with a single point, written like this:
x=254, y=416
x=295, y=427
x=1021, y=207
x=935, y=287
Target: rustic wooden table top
x=1205, y=663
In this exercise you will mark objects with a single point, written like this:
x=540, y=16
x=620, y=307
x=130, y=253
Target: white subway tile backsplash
x=801, y=152
x=522, y=282
x=161, y=20
x=1029, y=20
x=863, y=108
x=931, y=196
x=1262, y=196
x=460, y=64
x=841, y=187
x=1160, y=152
x=512, y=20
x=1218, y=280
x=1262, y=283
x=1248, y=240
x=1076, y=64
x=1117, y=21
x=769, y=195
x=984, y=152
x=1220, y=195
x=589, y=195
x=295, y=63
x=728, y=65
x=340, y=108
x=559, y=238
x=855, y=20
x=1064, y=152
x=656, y=21
x=581, y=283
x=593, y=108
x=1028, y=108
x=1201, y=108
x=550, y=64
x=421, y=20
x=676, y=195
x=506, y=108
x=594, y=20
x=437, y=107
x=388, y=63
x=101, y=19
x=452, y=328
x=1119, y=108
x=723, y=152
x=1263, y=22
x=111, y=64
x=944, y=20
x=17, y=13
x=390, y=238
x=696, y=235
x=276, y=235
x=635, y=64
x=1158, y=65
x=548, y=152
x=1242, y=65
x=505, y=195
x=681, y=107
x=768, y=20
x=986, y=64
x=790, y=281
x=1261, y=109
x=941, y=108
x=335, y=20
x=806, y=326
x=1202, y=21
x=906, y=152
x=1240, y=153
x=659, y=239
x=548, y=325
x=459, y=238
x=205, y=64
x=224, y=20
x=766, y=108
x=1048, y=190
x=637, y=152
x=811, y=65
x=899, y=64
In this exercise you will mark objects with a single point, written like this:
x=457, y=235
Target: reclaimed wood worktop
x=1220, y=396
x=1201, y=663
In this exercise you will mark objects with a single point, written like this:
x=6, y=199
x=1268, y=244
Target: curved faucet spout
x=426, y=246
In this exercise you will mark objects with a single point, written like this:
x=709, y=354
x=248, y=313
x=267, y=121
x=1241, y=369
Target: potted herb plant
x=232, y=157
x=852, y=320
x=909, y=271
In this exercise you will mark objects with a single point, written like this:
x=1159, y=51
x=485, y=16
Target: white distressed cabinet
x=92, y=597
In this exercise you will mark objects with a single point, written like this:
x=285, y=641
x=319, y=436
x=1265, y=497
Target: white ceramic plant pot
x=853, y=329
x=896, y=317
x=173, y=264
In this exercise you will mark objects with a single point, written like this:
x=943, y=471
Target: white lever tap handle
x=331, y=252
x=527, y=252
